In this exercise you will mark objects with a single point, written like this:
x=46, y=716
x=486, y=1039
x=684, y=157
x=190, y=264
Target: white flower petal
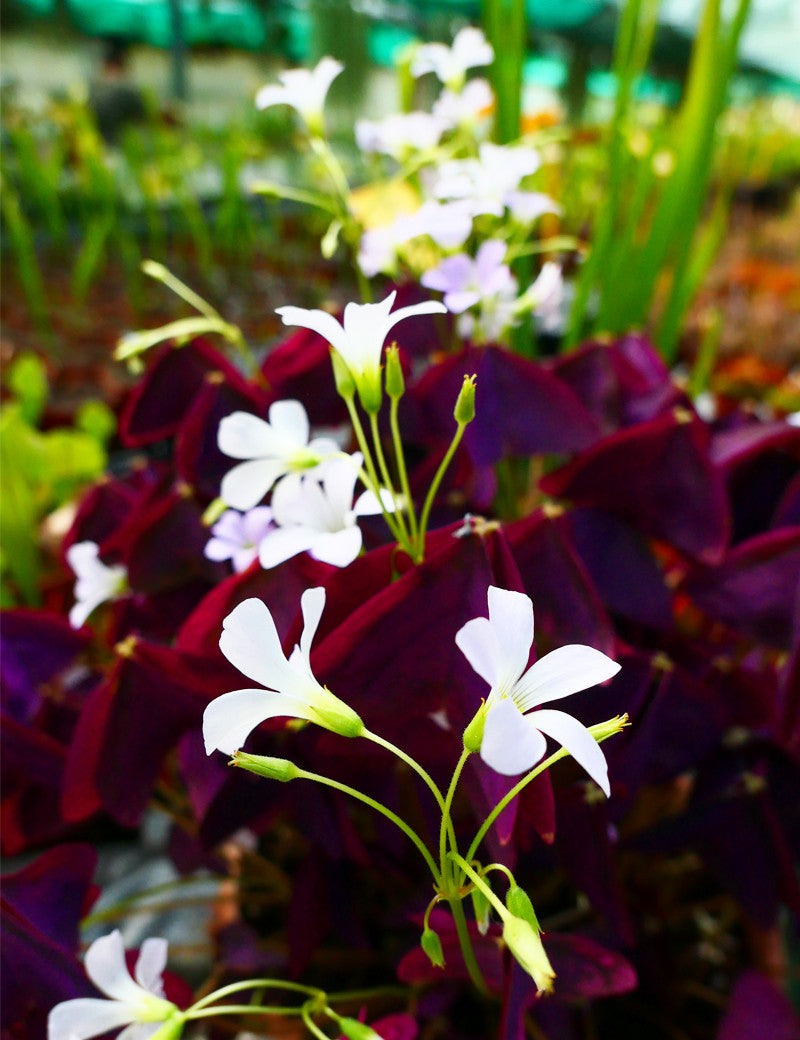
x=283, y=543
x=368, y=504
x=562, y=672
x=150, y=965
x=312, y=603
x=577, y=739
x=290, y=422
x=339, y=482
x=80, y=612
x=511, y=617
x=86, y=1017
x=246, y=484
x=245, y=436
x=318, y=321
x=511, y=743
x=106, y=967
x=477, y=642
x=339, y=548
x=219, y=550
x=250, y=642
x=230, y=719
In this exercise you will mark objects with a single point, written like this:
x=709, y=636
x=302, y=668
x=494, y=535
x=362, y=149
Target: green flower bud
x=337, y=716
x=432, y=945
x=395, y=381
x=473, y=734
x=481, y=908
x=464, y=411
x=526, y=946
x=369, y=391
x=342, y=376
x=355, y=1030
x=264, y=765
x=518, y=902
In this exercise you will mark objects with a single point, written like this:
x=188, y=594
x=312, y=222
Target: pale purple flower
x=271, y=450
x=449, y=224
x=549, y=297
x=470, y=49
x=401, y=133
x=320, y=518
x=288, y=689
x=515, y=727
x=465, y=282
x=359, y=340
x=237, y=536
x=97, y=582
x=464, y=107
x=135, y=1002
x=304, y=90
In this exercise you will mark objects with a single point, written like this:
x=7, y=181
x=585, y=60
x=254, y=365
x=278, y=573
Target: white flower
x=320, y=518
x=136, y=1003
x=96, y=582
x=489, y=180
x=272, y=449
x=528, y=206
x=305, y=90
x=359, y=341
x=236, y=536
x=470, y=48
x=250, y=642
x=514, y=735
x=449, y=224
x=400, y=133
x=466, y=106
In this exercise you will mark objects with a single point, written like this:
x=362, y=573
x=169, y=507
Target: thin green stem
x=243, y=1009
x=322, y=150
x=440, y=472
x=401, y=466
x=478, y=881
x=409, y=761
x=385, y=474
x=447, y=822
x=369, y=465
x=237, y=987
x=359, y=995
x=467, y=951
x=311, y=1026
x=378, y=807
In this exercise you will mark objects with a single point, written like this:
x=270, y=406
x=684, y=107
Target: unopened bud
x=432, y=945
x=526, y=946
x=264, y=765
x=464, y=411
x=473, y=734
x=395, y=381
x=520, y=905
x=355, y=1030
x=343, y=377
x=604, y=730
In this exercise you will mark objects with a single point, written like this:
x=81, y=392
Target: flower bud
x=355, y=1030
x=526, y=946
x=464, y=411
x=604, y=730
x=432, y=945
x=343, y=377
x=481, y=908
x=337, y=716
x=473, y=734
x=395, y=381
x=520, y=905
x=264, y=765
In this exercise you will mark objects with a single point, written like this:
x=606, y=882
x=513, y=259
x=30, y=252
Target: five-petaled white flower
x=470, y=48
x=304, y=90
x=236, y=536
x=272, y=449
x=320, y=518
x=400, y=134
x=137, y=1003
x=359, y=340
x=250, y=642
x=97, y=582
x=514, y=735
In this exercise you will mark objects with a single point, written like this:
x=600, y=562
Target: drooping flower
x=237, y=536
x=359, y=340
x=289, y=690
x=526, y=945
x=469, y=49
x=320, y=519
x=97, y=582
x=272, y=449
x=465, y=281
x=514, y=735
x=135, y=1002
x=304, y=90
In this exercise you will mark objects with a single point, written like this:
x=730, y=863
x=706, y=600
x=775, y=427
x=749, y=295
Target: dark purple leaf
x=757, y=1008
x=36, y=646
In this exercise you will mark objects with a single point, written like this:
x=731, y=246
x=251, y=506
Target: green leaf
x=27, y=380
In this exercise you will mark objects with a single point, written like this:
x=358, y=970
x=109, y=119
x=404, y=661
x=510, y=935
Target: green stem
x=374, y=483
x=385, y=474
x=243, y=1009
x=467, y=951
x=426, y=509
x=311, y=1026
x=447, y=822
x=478, y=881
x=378, y=807
x=401, y=466
x=237, y=987
x=409, y=761
x=323, y=152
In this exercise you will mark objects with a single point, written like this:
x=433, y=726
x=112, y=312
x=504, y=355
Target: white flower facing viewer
x=138, y=1002
x=97, y=582
x=514, y=734
x=359, y=340
x=470, y=49
x=320, y=519
x=289, y=690
x=304, y=90
x=272, y=449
